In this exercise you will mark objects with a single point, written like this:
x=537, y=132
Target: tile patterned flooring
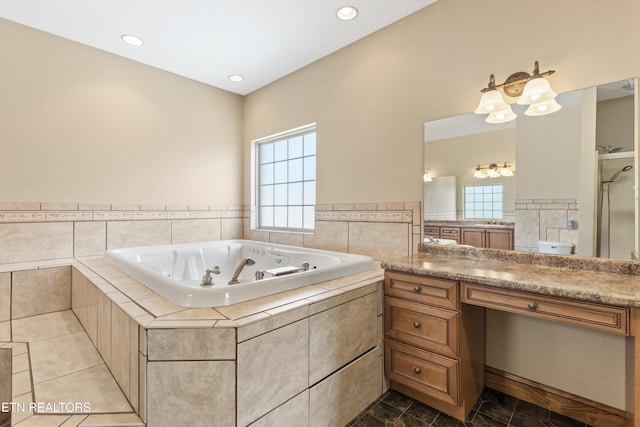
x=493, y=409
x=53, y=360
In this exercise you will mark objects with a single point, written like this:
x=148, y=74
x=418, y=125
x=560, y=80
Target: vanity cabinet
x=493, y=238
x=431, y=353
x=480, y=237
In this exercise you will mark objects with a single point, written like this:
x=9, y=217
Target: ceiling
x=208, y=40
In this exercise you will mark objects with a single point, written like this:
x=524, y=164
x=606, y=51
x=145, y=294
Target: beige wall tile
x=366, y=238
x=191, y=393
x=272, y=368
x=5, y=296
x=291, y=239
x=231, y=228
x=341, y=334
x=104, y=327
x=275, y=318
x=122, y=234
x=195, y=230
x=360, y=380
x=40, y=291
x=527, y=227
x=120, y=347
x=329, y=235
x=142, y=384
x=89, y=238
x=294, y=412
x=134, y=375
x=5, y=331
x=191, y=344
x=35, y=241
x=5, y=374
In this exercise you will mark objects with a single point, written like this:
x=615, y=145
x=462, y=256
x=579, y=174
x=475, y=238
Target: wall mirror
x=575, y=172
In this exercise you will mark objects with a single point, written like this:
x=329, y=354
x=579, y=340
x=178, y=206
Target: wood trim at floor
x=579, y=408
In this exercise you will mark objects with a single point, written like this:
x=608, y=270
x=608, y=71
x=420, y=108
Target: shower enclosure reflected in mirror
x=575, y=172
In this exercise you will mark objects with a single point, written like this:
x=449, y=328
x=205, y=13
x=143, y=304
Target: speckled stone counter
x=596, y=280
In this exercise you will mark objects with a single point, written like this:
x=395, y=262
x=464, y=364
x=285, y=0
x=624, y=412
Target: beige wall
x=81, y=125
x=371, y=98
x=370, y=101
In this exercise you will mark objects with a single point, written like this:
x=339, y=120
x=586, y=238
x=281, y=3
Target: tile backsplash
x=47, y=231
x=545, y=219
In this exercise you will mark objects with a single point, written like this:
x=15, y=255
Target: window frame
x=306, y=205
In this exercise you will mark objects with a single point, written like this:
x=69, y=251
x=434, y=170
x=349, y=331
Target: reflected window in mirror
x=483, y=201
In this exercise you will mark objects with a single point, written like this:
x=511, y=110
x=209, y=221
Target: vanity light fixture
x=427, y=176
x=533, y=89
x=132, y=39
x=347, y=13
x=493, y=171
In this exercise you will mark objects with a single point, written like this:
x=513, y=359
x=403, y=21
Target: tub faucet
x=207, y=280
x=245, y=261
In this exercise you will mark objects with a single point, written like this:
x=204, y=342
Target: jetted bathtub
x=177, y=272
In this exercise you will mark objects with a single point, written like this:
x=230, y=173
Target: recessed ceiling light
x=236, y=78
x=132, y=40
x=347, y=13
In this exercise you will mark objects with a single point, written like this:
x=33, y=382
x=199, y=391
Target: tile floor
x=53, y=360
x=493, y=409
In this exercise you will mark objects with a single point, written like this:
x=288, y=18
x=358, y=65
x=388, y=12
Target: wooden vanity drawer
x=432, y=231
x=596, y=316
x=449, y=232
x=428, y=290
x=422, y=326
x=425, y=372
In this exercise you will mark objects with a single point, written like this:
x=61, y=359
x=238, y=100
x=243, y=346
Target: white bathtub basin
x=176, y=271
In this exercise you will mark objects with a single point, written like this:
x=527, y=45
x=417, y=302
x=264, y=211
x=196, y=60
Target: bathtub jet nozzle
x=245, y=261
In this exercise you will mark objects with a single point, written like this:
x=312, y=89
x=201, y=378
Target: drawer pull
x=416, y=325
x=417, y=289
x=417, y=370
x=532, y=306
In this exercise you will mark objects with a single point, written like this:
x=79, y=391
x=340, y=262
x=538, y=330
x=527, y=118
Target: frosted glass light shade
x=491, y=101
x=543, y=108
x=479, y=174
x=536, y=90
x=502, y=116
x=505, y=171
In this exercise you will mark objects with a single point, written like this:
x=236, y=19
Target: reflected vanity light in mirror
x=493, y=171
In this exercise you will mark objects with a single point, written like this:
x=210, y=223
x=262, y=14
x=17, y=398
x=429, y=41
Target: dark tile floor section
x=493, y=409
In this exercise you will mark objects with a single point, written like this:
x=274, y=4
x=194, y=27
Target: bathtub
x=176, y=271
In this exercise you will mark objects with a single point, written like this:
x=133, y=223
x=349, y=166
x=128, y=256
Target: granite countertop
x=576, y=278
x=469, y=224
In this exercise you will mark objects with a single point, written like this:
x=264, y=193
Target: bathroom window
x=286, y=180
x=483, y=201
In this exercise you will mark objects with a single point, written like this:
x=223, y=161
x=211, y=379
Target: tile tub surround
x=159, y=341
x=45, y=231
x=356, y=228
